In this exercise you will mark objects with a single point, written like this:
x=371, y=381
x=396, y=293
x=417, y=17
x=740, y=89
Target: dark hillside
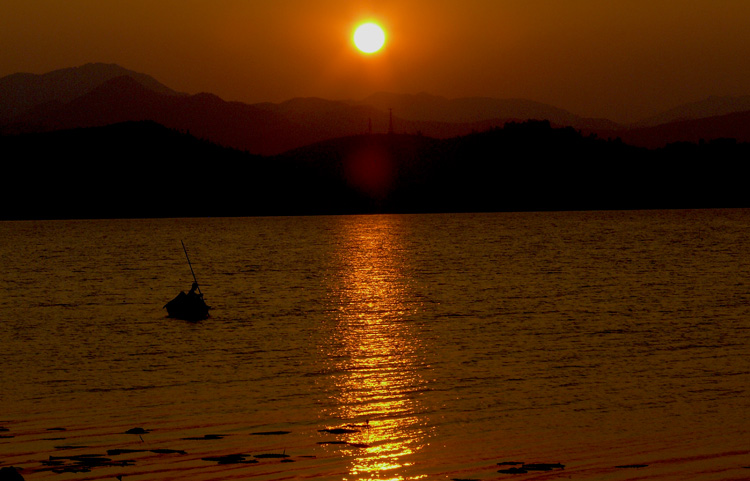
x=523, y=166
x=133, y=169
x=141, y=169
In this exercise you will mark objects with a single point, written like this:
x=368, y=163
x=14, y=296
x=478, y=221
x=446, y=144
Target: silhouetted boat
x=190, y=306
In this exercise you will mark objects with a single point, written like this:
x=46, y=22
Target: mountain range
x=103, y=141
x=99, y=94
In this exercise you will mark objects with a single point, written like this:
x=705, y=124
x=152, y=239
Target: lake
x=581, y=345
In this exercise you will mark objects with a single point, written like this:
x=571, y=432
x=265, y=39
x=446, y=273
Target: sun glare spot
x=369, y=37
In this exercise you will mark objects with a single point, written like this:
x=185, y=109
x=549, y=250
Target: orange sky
x=621, y=59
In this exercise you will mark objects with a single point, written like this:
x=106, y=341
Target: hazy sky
x=621, y=59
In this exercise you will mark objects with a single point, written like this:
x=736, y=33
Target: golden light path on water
x=375, y=354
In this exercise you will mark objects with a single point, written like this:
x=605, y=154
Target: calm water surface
x=428, y=347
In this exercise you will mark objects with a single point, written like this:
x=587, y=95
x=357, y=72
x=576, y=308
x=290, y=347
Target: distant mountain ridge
x=99, y=94
x=713, y=106
x=23, y=91
x=122, y=99
x=735, y=125
x=426, y=107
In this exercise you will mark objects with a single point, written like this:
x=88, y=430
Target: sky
x=619, y=59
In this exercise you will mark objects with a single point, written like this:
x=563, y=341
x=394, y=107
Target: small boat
x=190, y=306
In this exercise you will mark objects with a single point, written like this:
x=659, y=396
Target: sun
x=369, y=37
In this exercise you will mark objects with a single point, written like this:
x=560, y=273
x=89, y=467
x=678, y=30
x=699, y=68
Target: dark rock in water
x=523, y=468
x=82, y=463
x=77, y=456
x=137, y=431
x=86, y=456
x=358, y=445
x=71, y=469
x=626, y=466
x=4, y=429
x=338, y=431
x=543, y=466
x=231, y=459
x=167, y=451
x=271, y=455
x=332, y=442
x=287, y=460
x=270, y=433
x=512, y=471
x=91, y=462
x=56, y=429
x=9, y=473
x=206, y=437
x=227, y=458
x=116, y=452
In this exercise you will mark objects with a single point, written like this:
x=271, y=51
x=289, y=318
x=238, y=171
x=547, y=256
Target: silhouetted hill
x=123, y=99
x=523, y=166
x=99, y=94
x=735, y=126
x=141, y=169
x=425, y=107
x=23, y=91
x=711, y=107
x=265, y=129
x=95, y=95
x=520, y=167
x=132, y=169
x=321, y=119
x=116, y=100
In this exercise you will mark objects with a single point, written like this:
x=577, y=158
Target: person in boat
x=192, y=294
x=193, y=298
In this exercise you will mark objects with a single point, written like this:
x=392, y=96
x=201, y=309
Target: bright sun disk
x=369, y=37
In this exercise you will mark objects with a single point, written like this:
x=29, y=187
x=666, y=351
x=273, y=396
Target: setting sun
x=369, y=37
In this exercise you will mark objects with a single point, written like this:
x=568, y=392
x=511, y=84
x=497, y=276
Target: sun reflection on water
x=375, y=356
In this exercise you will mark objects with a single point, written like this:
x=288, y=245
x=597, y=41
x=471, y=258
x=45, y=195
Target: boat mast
x=191, y=266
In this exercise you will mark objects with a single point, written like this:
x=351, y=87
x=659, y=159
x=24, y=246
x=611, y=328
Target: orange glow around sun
x=369, y=37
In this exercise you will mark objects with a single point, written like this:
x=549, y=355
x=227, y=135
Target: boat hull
x=188, y=308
